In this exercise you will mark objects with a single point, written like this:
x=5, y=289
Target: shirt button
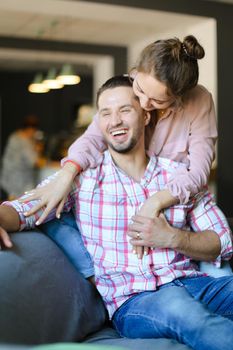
x=190, y=134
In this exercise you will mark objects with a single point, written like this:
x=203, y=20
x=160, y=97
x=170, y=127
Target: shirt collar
x=152, y=168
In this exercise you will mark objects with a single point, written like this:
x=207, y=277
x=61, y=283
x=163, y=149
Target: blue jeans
x=65, y=233
x=195, y=311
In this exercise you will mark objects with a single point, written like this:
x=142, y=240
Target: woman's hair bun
x=192, y=47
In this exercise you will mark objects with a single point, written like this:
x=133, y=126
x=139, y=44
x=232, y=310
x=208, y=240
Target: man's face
x=121, y=119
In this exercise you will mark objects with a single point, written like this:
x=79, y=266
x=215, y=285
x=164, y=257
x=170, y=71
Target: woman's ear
x=147, y=117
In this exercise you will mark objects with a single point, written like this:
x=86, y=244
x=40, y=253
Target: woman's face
x=151, y=92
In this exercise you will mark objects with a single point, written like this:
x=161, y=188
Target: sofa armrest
x=43, y=298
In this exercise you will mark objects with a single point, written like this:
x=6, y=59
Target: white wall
x=103, y=70
x=205, y=31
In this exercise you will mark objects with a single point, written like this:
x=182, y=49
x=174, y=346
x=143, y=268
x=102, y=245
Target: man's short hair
x=116, y=81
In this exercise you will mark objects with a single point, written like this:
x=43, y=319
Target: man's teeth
x=118, y=132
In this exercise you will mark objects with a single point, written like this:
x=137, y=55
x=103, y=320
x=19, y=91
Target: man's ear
x=147, y=117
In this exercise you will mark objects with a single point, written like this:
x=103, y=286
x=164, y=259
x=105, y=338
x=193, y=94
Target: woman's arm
x=85, y=152
x=185, y=183
x=151, y=208
x=158, y=201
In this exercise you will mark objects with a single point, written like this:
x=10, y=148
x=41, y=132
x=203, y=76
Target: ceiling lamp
x=50, y=81
x=37, y=85
x=68, y=76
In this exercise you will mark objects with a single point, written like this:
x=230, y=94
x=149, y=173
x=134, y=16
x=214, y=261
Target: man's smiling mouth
x=118, y=132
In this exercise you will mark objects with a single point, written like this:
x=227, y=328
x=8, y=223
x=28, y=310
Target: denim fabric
x=65, y=233
x=187, y=310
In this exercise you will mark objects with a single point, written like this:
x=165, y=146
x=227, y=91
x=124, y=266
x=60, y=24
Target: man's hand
x=157, y=233
x=151, y=208
x=9, y=222
x=5, y=239
x=153, y=233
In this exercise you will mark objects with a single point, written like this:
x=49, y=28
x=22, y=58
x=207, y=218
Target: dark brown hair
x=173, y=62
x=117, y=81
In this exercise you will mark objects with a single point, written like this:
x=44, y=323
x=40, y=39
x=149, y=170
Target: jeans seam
x=135, y=315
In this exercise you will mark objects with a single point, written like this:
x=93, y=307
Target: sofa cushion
x=72, y=346
x=108, y=336
x=43, y=299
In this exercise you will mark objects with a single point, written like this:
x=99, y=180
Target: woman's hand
x=149, y=209
x=152, y=208
x=53, y=194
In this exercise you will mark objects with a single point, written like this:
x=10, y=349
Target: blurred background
x=93, y=40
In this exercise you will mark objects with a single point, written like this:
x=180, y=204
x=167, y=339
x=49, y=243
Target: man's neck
x=133, y=163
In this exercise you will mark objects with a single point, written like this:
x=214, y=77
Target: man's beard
x=123, y=148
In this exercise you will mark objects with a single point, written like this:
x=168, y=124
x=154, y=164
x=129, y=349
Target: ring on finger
x=138, y=236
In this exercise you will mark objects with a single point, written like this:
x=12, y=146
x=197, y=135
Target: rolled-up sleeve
x=29, y=222
x=207, y=216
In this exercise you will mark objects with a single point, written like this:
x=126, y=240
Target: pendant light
x=37, y=85
x=50, y=81
x=68, y=76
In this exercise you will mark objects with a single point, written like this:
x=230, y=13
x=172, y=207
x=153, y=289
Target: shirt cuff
x=19, y=207
x=226, y=247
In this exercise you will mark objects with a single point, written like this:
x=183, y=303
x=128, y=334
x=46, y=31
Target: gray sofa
x=43, y=299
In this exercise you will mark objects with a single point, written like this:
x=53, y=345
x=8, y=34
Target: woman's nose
x=145, y=102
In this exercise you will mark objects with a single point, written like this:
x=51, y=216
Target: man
x=163, y=294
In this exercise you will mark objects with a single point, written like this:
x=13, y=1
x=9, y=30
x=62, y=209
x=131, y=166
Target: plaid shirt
x=104, y=199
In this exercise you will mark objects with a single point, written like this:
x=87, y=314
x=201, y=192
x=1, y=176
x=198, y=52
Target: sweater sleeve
x=87, y=150
x=186, y=182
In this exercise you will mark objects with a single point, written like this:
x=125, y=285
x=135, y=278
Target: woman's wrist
x=166, y=199
x=72, y=167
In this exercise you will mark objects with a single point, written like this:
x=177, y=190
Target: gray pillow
x=43, y=299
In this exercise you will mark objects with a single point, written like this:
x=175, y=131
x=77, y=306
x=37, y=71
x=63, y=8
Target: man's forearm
x=203, y=246
x=9, y=218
